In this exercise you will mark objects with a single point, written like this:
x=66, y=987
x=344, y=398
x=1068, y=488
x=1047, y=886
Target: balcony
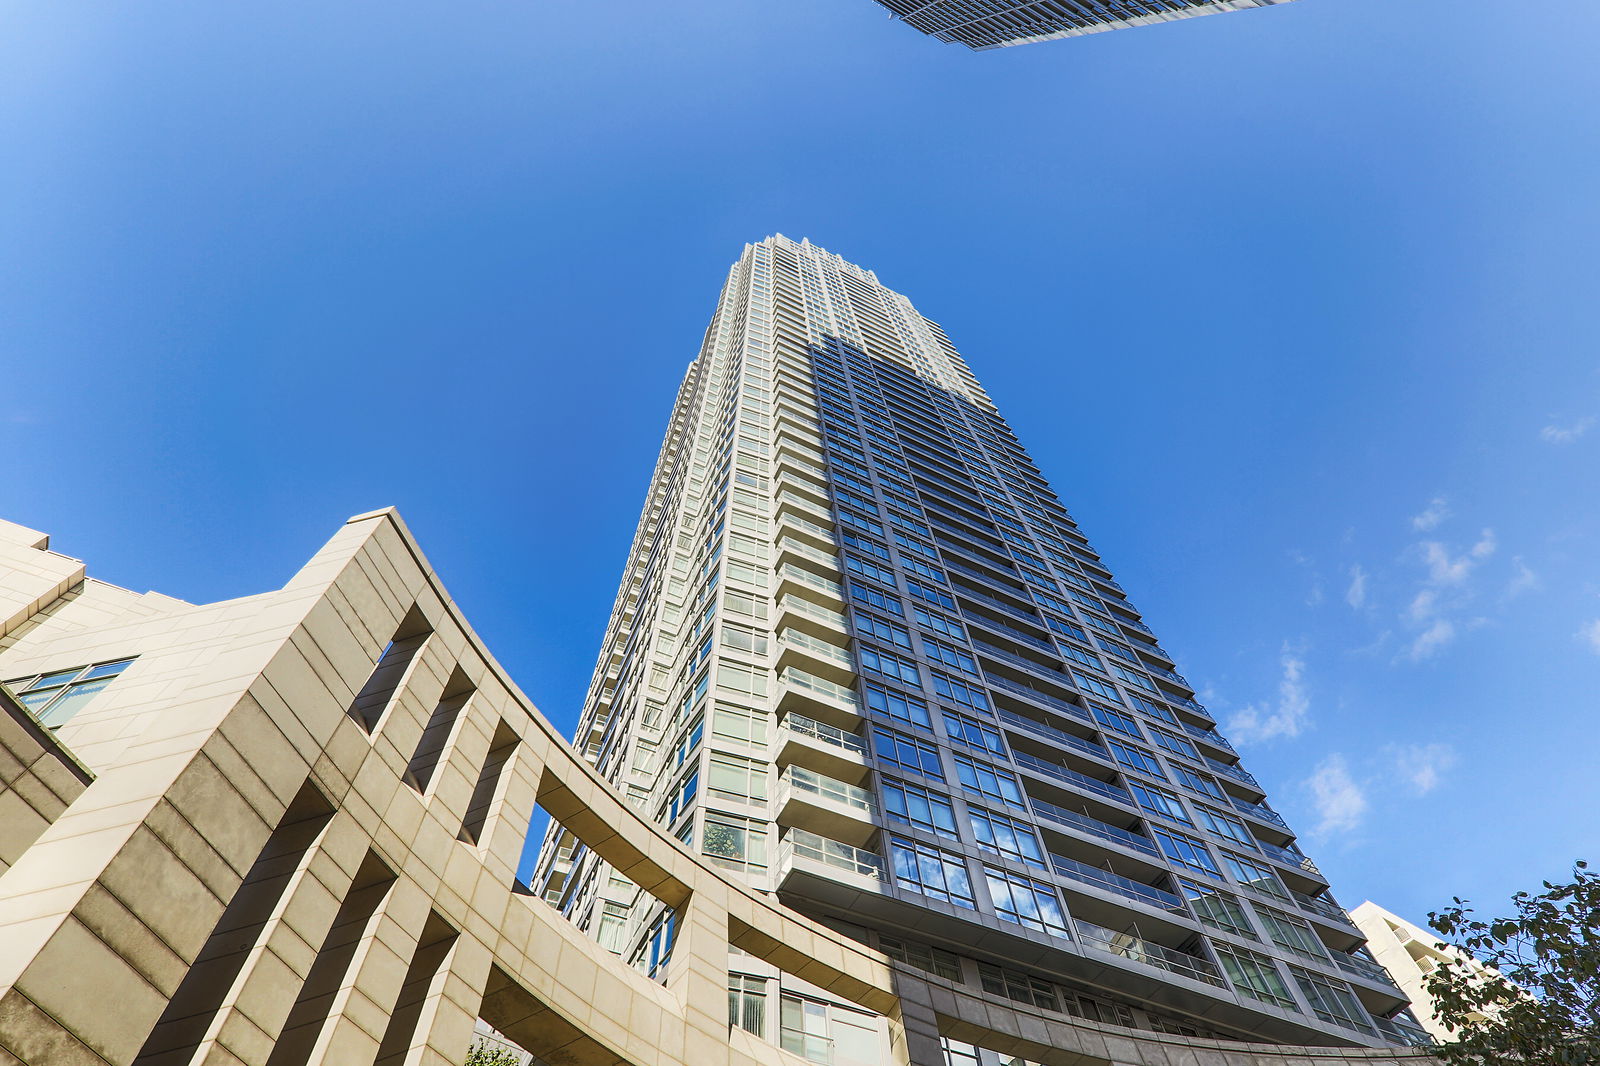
x=800, y=844
x=1137, y=949
x=796, y=605
x=1116, y=883
x=826, y=560
x=791, y=575
x=1322, y=905
x=834, y=808
x=1210, y=736
x=1014, y=634
x=801, y=689
x=1083, y=823
x=1054, y=735
x=1367, y=968
x=815, y=654
x=1081, y=782
x=1257, y=810
x=824, y=733
x=1293, y=859
x=1016, y=610
x=1049, y=673
x=1238, y=773
x=1404, y=1035
x=1043, y=698
x=820, y=536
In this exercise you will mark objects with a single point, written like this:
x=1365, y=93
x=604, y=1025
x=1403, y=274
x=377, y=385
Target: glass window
x=955, y=689
x=1217, y=908
x=916, y=806
x=1253, y=975
x=899, y=706
x=907, y=753
x=988, y=782
x=881, y=662
x=1159, y=801
x=1289, y=932
x=1253, y=875
x=967, y=730
x=1198, y=782
x=1026, y=902
x=1116, y=720
x=931, y=871
x=1225, y=825
x=1136, y=758
x=55, y=697
x=1005, y=837
x=1331, y=1000
x=1187, y=851
x=1175, y=744
x=922, y=957
x=735, y=842
x=1017, y=986
x=734, y=777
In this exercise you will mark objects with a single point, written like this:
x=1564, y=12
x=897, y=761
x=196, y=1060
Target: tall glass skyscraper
x=863, y=657
x=985, y=24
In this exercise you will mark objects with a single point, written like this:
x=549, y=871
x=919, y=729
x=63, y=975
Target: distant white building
x=1410, y=953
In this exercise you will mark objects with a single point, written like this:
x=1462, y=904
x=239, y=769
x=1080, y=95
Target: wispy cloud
x=1258, y=722
x=1356, y=594
x=1522, y=578
x=1434, y=612
x=1421, y=766
x=1437, y=511
x=1340, y=802
x=1555, y=434
x=1590, y=634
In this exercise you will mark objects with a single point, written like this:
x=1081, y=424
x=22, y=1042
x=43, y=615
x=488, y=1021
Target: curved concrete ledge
x=281, y=862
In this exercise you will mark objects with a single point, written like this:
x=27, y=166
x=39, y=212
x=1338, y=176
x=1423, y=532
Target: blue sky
x=1296, y=307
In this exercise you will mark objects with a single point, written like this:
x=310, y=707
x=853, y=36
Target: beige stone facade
x=287, y=833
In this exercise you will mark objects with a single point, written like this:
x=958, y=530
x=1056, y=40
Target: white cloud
x=1421, y=766
x=1255, y=724
x=1340, y=802
x=1590, y=634
x=1437, y=511
x=1436, y=636
x=1554, y=434
x=1356, y=594
x=1522, y=578
x=1445, y=570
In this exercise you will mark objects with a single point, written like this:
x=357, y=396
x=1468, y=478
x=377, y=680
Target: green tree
x=1539, y=1003
x=485, y=1054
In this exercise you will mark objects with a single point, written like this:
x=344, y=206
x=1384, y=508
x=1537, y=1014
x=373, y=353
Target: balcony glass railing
x=1290, y=857
x=1402, y=1034
x=795, y=520
x=802, y=780
x=789, y=544
x=997, y=604
x=806, y=577
x=1122, y=886
x=1092, y=826
x=1025, y=663
x=1355, y=964
x=1257, y=810
x=820, y=648
x=1238, y=773
x=1321, y=905
x=819, y=685
x=1015, y=634
x=1079, y=781
x=1038, y=696
x=833, y=853
x=1137, y=949
x=800, y=725
x=1054, y=735
x=1209, y=735
x=806, y=607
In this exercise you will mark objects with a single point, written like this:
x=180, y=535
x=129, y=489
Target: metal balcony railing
x=1052, y=734
x=1122, y=886
x=1257, y=810
x=1092, y=826
x=1071, y=777
x=1209, y=735
x=1290, y=857
x=1238, y=773
x=1137, y=949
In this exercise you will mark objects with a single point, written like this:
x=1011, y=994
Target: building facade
x=283, y=830
x=864, y=659
x=1411, y=953
x=986, y=24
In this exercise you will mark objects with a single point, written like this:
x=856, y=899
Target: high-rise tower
x=985, y=24
x=863, y=656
